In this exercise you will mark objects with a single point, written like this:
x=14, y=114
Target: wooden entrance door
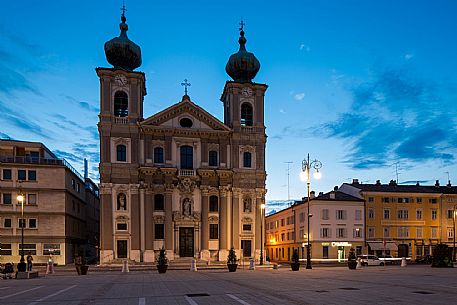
x=121, y=249
x=186, y=242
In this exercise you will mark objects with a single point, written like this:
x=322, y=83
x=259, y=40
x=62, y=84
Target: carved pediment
x=122, y=218
x=178, y=216
x=246, y=220
x=159, y=219
x=213, y=219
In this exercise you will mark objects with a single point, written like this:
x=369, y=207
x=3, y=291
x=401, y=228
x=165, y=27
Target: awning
x=388, y=245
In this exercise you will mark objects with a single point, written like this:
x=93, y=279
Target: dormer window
x=121, y=104
x=246, y=115
x=185, y=123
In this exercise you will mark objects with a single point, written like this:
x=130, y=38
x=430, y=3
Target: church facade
x=180, y=179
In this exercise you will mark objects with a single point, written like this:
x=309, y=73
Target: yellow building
x=336, y=225
x=406, y=220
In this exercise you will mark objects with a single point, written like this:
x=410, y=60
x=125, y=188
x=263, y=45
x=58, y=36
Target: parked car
x=389, y=259
x=427, y=259
x=370, y=260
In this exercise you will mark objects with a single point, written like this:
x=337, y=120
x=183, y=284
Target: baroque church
x=180, y=179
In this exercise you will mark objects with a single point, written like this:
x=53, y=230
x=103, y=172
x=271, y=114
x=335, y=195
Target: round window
x=185, y=122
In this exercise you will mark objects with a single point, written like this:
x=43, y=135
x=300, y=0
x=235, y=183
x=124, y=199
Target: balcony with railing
x=120, y=120
x=186, y=172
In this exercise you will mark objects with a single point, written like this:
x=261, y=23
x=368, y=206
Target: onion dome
x=121, y=52
x=242, y=66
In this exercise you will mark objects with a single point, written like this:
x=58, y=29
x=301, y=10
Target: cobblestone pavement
x=321, y=285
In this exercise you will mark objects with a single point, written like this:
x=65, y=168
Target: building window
x=418, y=232
x=357, y=233
x=325, y=215
x=212, y=158
x=51, y=249
x=450, y=214
x=73, y=183
x=358, y=214
x=31, y=198
x=7, y=174
x=434, y=214
x=121, y=152
x=159, y=232
x=434, y=232
x=386, y=232
x=78, y=187
x=433, y=200
x=403, y=200
x=158, y=155
x=213, y=204
x=370, y=199
x=187, y=159
x=122, y=226
x=282, y=222
x=5, y=249
x=302, y=216
x=418, y=214
x=213, y=231
x=324, y=251
x=21, y=222
x=6, y=198
x=185, y=123
x=32, y=175
x=385, y=199
x=7, y=222
x=386, y=214
x=325, y=232
x=21, y=175
x=341, y=232
x=121, y=104
x=247, y=159
x=402, y=214
x=159, y=202
x=419, y=200
x=32, y=223
x=246, y=114
x=450, y=232
x=28, y=248
x=371, y=232
x=403, y=232
x=370, y=213
x=340, y=214
x=247, y=227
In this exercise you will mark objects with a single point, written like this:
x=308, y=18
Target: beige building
x=61, y=208
x=336, y=225
x=180, y=179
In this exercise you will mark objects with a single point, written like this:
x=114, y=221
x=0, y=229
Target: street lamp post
x=262, y=209
x=453, y=233
x=306, y=168
x=22, y=267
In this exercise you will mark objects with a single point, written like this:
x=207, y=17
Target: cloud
x=4, y=136
x=408, y=56
x=304, y=47
x=397, y=117
x=68, y=156
x=82, y=104
x=299, y=96
x=282, y=111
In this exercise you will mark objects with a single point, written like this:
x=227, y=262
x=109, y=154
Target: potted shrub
x=442, y=256
x=231, y=260
x=352, y=259
x=80, y=264
x=295, y=264
x=162, y=261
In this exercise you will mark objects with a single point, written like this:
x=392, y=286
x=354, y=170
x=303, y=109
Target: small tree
x=162, y=258
x=295, y=256
x=231, y=258
x=352, y=257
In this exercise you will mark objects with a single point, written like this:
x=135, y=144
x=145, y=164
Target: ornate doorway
x=186, y=241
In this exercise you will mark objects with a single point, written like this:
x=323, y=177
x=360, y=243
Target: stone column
x=258, y=220
x=205, y=225
x=236, y=220
x=223, y=218
x=168, y=221
x=142, y=225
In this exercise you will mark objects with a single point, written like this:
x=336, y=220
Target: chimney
x=355, y=181
x=449, y=183
x=437, y=183
x=86, y=171
x=335, y=188
x=417, y=183
x=378, y=182
x=332, y=195
x=312, y=194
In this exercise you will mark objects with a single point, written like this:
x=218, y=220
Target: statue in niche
x=247, y=205
x=121, y=202
x=186, y=207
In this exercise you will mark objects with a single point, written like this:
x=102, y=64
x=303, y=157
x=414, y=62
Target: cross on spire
x=123, y=9
x=185, y=84
x=242, y=24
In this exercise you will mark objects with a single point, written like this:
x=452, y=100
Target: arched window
x=247, y=159
x=246, y=114
x=212, y=158
x=121, y=151
x=187, y=160
x=158, y=202
x=213, y=204
x=121, y=104
x=158, y=155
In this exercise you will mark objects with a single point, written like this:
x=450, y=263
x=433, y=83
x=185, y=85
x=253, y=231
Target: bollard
x=125, y=266
x=275, y=266
x=193, y=265
x=251, y=264
x=50, y=266
x=403, y=262
x=359, y=263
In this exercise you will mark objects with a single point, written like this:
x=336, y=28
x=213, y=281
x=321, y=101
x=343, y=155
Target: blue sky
x=360, y=85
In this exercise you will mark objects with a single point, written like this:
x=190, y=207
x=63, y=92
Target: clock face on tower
x=246, y=91
x=120, y=80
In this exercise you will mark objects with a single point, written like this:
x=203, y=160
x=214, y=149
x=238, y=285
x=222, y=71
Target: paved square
x=322, y=285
